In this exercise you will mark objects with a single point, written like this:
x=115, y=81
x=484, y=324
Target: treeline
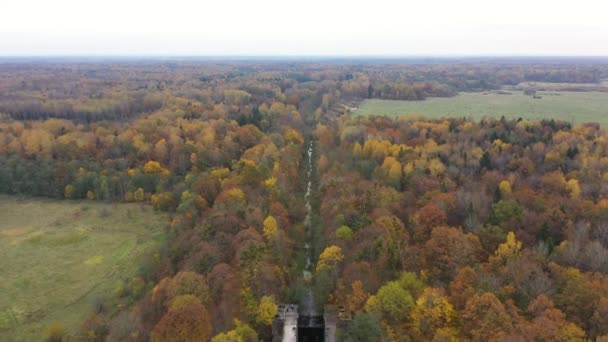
x=85, y=110
x=102, y=91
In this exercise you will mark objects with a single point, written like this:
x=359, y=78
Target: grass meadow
x=58, y=257
x=575, y=107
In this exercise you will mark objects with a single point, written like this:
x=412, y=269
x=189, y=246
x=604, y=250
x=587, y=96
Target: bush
x=55, y=332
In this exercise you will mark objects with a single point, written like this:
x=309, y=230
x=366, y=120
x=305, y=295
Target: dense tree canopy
x=444, y=229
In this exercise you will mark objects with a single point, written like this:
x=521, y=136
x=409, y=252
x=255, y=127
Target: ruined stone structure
x=285, y=324
x=290, y=325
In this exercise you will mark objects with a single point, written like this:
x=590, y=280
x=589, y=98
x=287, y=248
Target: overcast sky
x=308, y=27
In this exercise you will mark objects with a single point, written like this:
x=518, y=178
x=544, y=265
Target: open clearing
x=576, y=107
x=57, y=257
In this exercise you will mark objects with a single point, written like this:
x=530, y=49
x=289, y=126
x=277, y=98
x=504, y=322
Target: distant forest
x=119, y=90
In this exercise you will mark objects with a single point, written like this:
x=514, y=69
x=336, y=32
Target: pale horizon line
x=299, y=55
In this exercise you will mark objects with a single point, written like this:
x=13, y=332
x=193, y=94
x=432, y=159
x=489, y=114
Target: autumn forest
x=272, y=191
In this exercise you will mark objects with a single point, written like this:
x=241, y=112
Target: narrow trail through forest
x=308, y=305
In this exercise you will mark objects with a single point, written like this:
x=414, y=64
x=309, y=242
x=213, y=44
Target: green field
x=577, y=107
x=58, y=257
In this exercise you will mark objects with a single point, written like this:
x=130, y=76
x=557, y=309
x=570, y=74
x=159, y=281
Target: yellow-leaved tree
x=271, y=228
x=69, y=191
x=395, y=172
x=436, y=167
x=329, y=258
x=270, y=182
x=431, y=312
x=293, y=136
x=574, y=188
x=242, y=332
x=505, y=188
x=267, y=309
x=154, y=167
x=139, y=195
x=507, y=250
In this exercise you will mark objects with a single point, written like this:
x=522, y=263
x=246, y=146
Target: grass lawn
x=577, y=107
x=57, y=257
